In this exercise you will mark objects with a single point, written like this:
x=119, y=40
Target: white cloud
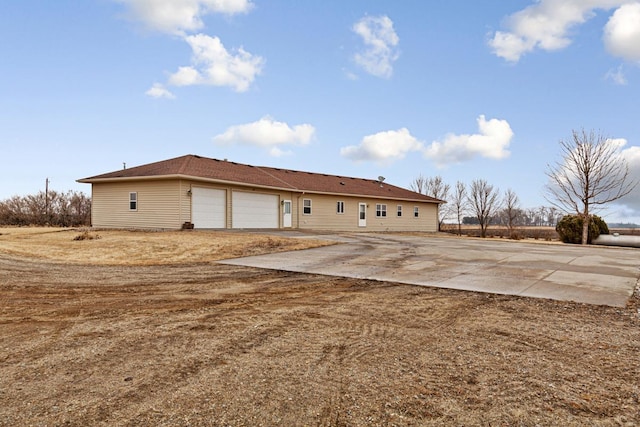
x=159, y=91
x=277, y=152
x=632, y=156
x=491, y=142
x=546, y=25
x=622, y=32
x=629, y=205
x=267, y=133
x=349, y=75
x=616, y=76
x=383, y=147
x=178, y=16
x=212, y=64
x=381, y=43
x=617, y=142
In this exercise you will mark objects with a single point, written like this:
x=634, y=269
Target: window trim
x=340, y=207
x=304, y=207
x=416, y=212
x=381, y=210
x=133, y=201
x=399, y=211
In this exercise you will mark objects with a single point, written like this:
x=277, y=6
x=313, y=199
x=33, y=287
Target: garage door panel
x=208, y=208
x=251, y=210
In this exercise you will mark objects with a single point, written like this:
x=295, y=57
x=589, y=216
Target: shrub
x=569, y=228
x=85, y=235
x=53, y=208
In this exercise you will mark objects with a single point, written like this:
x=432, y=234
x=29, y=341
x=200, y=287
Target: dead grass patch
x=547, y=234
x=124, y=247
x=86, y=235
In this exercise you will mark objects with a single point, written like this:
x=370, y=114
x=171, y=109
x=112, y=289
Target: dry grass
x=531, y=233
x=200, y=344
x=123, y=247
x=547, y=234
x=216, y=345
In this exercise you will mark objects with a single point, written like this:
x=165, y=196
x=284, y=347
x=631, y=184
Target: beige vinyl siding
x=324, y=216
x=185, y=202
x=158, y=205
x=166, y=204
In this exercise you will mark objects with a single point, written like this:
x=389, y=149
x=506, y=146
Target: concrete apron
x=591, y=275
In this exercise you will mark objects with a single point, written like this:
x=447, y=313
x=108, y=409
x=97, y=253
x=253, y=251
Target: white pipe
x=617, y=240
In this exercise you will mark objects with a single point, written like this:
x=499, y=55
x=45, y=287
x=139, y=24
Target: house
x=201, y=192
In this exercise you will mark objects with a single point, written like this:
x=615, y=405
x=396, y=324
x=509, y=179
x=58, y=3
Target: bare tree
x=591, y=173
x=418, y=184
x=484, y=203
x=511, y=208
x=47, y=208
x=552, y=216
x=436, y=188
x=458, y=203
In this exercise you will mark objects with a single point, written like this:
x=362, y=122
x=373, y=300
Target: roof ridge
x=262, y=169
x=185, y=163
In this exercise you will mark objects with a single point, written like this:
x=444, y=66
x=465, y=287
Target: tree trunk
x=585, y=228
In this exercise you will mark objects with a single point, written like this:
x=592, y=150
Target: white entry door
x=286, y=213
x=362, y=214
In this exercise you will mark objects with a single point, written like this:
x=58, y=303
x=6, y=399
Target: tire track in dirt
x=219, y=345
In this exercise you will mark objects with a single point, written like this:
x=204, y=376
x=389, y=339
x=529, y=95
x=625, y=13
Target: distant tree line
x=482, y=204
x=542, y=216
x=70, y=209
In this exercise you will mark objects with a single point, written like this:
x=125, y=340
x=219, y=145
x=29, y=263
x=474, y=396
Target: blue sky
x=363, y=88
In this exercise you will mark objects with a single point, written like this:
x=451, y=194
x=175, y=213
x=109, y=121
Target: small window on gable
x=381, y=210
x=399, y=210
x=306, y=206
x=340, y=207
x=416, y=213
x=133, y=201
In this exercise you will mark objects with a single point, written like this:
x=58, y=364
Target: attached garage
x=254, y=210
x=208, y=207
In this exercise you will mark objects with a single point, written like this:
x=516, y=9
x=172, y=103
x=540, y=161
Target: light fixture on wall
x=189, y=193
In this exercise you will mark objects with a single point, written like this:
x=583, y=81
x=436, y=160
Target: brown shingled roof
x=191, y=166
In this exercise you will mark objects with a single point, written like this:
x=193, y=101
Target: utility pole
x=46, y=200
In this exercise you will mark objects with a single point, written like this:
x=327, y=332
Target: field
x=140, y=328
x=522, y=232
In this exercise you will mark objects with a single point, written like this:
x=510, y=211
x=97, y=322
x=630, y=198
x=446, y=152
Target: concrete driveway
x=592, y=275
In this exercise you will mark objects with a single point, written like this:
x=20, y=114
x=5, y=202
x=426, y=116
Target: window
x=381, y=210
x=306, y=206
x=416, y=213
x=340, y=207
x=133, y=201
x=399, y=210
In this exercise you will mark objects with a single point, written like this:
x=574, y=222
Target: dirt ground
x=202, y=344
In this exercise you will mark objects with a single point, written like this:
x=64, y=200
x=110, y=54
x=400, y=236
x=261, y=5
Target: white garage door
x=208, y=208
x=252, y=210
